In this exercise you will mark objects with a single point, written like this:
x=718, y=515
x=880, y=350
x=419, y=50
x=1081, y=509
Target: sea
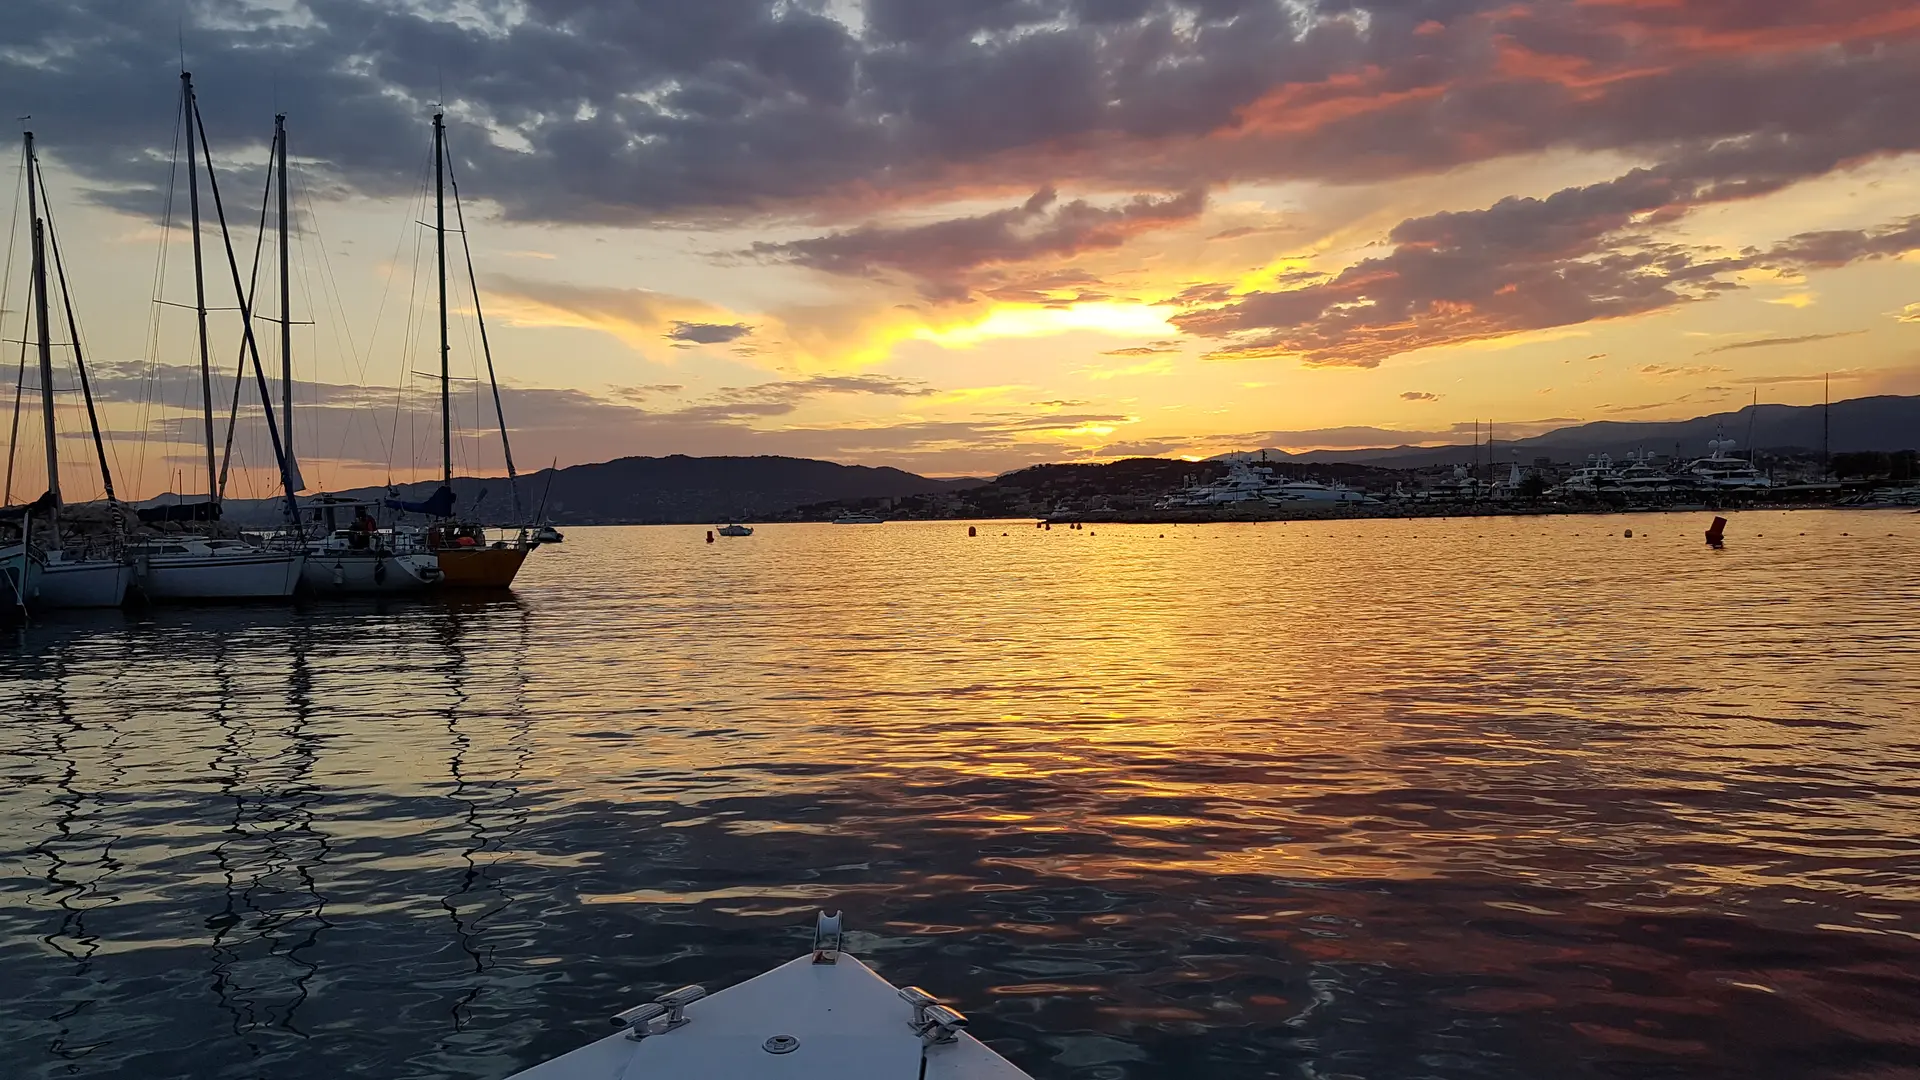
x=1486, y=797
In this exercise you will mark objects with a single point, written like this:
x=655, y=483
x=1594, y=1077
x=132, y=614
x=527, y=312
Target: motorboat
x=201, y=568
x=821, y=1016
x=857, y=519
x=547, y=534
x=735, y=530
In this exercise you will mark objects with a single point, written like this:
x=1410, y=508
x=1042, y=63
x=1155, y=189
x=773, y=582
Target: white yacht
x=1462, y=485
x=1641, y=476
x=1315, y=491
x=1721, y=471
x=1597, y=477
x=197, y=568
x=858, y=519
x=547, y=534
x=735, y=530
x=821, y=1016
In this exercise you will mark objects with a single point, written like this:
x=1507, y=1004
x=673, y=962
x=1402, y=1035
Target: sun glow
x=1036, y=320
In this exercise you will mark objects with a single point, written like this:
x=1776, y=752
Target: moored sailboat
x=93, y=572
x=469, y=557
x=210, y=567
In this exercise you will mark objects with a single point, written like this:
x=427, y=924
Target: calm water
x=1488, y=798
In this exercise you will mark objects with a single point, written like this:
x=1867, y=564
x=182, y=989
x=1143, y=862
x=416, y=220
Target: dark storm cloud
x=604, y=111
x=699, y=333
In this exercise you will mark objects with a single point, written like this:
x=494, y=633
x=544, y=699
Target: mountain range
x=681, y=489
x=1886, y=422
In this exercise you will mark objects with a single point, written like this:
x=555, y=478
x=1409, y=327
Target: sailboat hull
x=362, y=573
x=85, y=583
x=269, y=575
x=480, y=568
x=20, y=572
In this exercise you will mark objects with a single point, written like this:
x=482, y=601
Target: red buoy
x=971, y=532
x=709, y=536
x=1716, y=530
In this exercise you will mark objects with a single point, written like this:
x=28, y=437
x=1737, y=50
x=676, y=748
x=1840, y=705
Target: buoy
x=709, y=536
x=1629, y=534
x=1048, y=524
x=1716, y=530
x=970, y=531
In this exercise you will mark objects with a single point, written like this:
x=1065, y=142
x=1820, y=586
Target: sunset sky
x=962, y=236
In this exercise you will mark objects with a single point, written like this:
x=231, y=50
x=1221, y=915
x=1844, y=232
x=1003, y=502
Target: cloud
x=1526, y=264
x=698, y=333
x=1659, y=371
x=1910, y=313
x=1141, y=350
x=1767, y=343
x=625, y=113
x=1418, y=395
x=943, y=255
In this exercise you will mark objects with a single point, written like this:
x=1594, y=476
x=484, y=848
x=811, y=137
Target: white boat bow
x=822, y=1016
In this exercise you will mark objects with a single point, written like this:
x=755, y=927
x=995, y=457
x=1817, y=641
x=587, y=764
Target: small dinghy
x=822, y=1016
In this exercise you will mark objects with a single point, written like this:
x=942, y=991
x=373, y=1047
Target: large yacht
x=1721, y=471
x=1597, y=477
x=1642, y=477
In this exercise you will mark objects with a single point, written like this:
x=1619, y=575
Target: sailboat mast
x=199, y=284
x=41, y=321
x=440, y=261
x=286, y=304
x=79, y=359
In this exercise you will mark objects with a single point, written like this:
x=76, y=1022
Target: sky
x=964, y=236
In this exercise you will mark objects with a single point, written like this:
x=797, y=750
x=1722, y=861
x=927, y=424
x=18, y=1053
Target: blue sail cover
x=439, y=504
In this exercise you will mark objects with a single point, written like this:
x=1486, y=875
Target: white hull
x=359, y=573
x=269, y=575
x=843, y=1022
x=85, y=583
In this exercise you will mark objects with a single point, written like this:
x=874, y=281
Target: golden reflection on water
x=1470, y=762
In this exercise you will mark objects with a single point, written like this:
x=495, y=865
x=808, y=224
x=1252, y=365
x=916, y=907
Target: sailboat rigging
x=467, y=558
x=210, y=567
x=93, y=572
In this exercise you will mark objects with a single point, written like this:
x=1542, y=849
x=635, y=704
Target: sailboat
x=69, y=577
x=468, y=559
x=208, y=567
x=360, y=557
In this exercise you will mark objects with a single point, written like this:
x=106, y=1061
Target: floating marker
x=1716, y=530
x=709, y=536
x=1629, y=534
x=970, y=531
